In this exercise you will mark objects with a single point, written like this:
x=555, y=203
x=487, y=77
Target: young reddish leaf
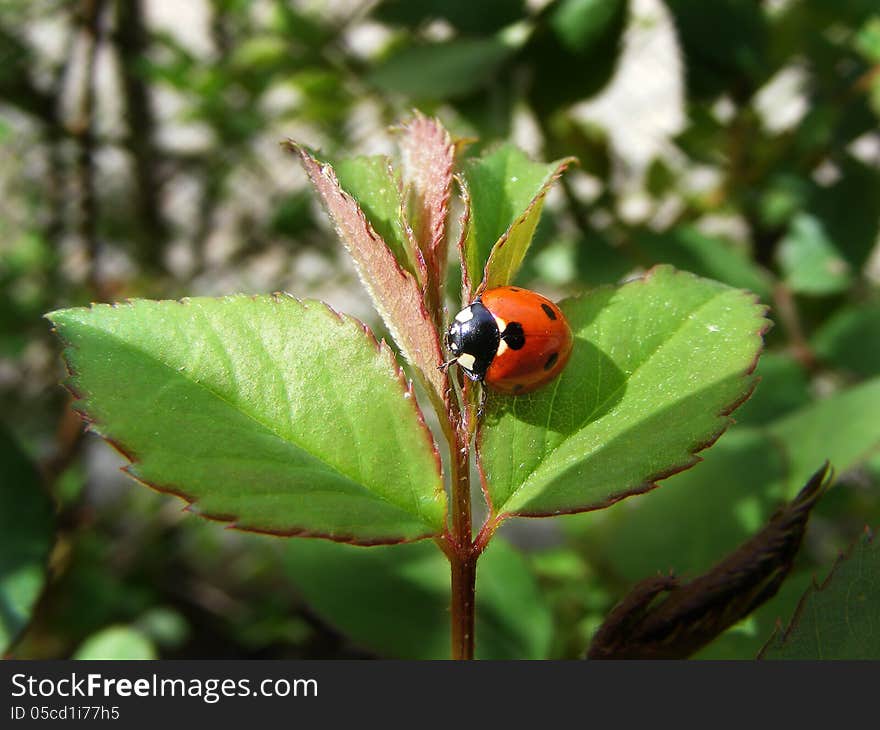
x=506, y=191
x=643, y=626
x=394, y=291
x=657, y=366
x=377, y=188
x=427, y=156
x=272, y=414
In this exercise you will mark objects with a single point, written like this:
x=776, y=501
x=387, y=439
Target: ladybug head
x=473, y=339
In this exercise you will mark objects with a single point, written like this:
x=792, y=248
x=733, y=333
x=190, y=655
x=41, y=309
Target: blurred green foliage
x=140, y=157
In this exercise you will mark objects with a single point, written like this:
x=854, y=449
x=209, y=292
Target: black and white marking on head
x=474, y=338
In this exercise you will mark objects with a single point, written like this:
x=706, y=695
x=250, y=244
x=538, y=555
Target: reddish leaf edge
x=867, y=537
x=438, y=393
x=230, y=521
x=651, y=483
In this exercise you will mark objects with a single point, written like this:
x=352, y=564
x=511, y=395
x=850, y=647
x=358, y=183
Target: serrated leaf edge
x=776, y=640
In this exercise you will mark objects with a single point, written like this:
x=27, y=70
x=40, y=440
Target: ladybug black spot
x=551, y=361
x=548, y=311
x=514, y=336
x=513, y=288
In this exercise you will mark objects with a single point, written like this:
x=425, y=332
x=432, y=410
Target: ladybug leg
x=445, y=366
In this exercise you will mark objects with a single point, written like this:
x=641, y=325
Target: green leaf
x=394, y=601
x=373, y=183
x=442, y=70
x=506, y=191
x=116, y=642
x=277, y=415
x=687, y=248
x=809, y=260
x=850, y=340
x=838, y=619
x=844, y=429
x=657, y=366
x=27, y=527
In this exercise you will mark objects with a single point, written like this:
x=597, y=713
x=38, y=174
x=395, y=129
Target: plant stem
x=462, y=555
x=464, y=580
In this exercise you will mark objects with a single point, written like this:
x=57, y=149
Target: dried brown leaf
x=646, y=626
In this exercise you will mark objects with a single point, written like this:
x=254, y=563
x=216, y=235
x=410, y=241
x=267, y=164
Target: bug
x=512, y=339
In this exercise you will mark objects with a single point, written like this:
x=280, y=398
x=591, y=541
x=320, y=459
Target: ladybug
x=514, y=340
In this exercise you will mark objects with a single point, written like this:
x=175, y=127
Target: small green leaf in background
x=117, y=642
x=656, y=367
x=839, y=619
x=809, y=260
x=506, y=191
x=575, y=52
x=274, y=414
x=395, y=600
x=442, y=70
x=686, y=248
x=27, y=528
x=376, y=187
x=850, y=340
x=783, y=387
x=843, y=428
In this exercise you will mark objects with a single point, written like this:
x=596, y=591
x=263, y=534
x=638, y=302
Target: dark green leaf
x=442, y=70
x=469, y=17
x=27, y=526
x=850, y=340
x=838, y=619
x=574, y=54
